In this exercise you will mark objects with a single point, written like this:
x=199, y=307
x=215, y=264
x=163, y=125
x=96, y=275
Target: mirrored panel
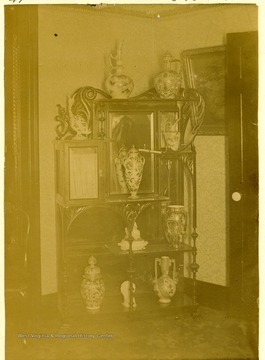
x=169, y=130
x=128, y=129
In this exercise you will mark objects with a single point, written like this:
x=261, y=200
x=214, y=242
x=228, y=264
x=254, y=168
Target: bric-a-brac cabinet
x=126, y=203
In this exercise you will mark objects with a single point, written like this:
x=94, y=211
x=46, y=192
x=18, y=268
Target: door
x=21, y=126
x=242, y=121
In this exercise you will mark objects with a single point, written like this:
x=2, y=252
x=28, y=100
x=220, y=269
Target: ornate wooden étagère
x=126, y=194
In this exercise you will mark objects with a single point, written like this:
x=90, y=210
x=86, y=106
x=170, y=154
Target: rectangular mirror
x=169, y=130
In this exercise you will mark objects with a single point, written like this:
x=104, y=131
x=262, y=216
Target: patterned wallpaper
x=212, y=212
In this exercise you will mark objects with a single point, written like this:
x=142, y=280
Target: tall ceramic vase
x=175, y=221
x=133, y=165
x=165, y=286
x=118, y=84
x=92, y=286
x=119, y=167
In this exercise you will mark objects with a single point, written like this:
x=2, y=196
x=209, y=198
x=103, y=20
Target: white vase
x=118, y=84
x=165, y=286
x=125, y=290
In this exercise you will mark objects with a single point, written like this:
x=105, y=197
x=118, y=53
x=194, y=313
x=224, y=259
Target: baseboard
x=210, y=295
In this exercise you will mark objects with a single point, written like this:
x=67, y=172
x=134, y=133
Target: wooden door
x=21, y=126
x=242, y=121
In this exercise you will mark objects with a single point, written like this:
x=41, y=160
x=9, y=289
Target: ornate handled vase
x=119, y=167
x=168, y=82
x=92, y=286
x=118, y=85
x=165, y=286
x=175, y=221
x=133, y=165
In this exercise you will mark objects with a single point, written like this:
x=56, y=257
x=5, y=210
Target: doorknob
x=236, y=196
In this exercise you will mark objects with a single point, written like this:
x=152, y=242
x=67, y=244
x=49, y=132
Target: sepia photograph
x=131, y=180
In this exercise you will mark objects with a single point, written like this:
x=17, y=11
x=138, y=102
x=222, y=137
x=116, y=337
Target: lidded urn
x=92, y=286
x=118, y=84
x=133, y=165
x=168, y=82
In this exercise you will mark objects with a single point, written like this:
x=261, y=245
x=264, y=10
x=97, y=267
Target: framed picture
x=204, y=70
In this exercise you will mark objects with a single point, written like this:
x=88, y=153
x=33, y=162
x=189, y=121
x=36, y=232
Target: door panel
x=242, y=119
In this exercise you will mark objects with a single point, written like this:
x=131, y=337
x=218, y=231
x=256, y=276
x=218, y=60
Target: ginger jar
x=92, y=286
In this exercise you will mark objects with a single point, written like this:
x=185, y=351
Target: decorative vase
x=92, y=286
x=168, y=82
x=133, y=165
x=125, y=290
x=118, y=85
x=175, y=221
x=119, y=167
x=165, y=286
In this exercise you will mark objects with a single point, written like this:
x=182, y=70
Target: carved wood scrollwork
x=71, y=213
x=63, y=119
x=76, y=119
x=188, y=160
x=130, y=212
x=101, y=117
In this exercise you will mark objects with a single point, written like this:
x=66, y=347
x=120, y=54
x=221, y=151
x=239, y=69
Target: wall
x=205, y=28
x=73, y=47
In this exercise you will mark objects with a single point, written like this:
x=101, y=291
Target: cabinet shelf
x=150, y=249
x=79, y=247
x=125, y=199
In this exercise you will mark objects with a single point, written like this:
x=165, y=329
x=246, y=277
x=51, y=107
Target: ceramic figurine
x=137, y=244
x=175, y=221
x=118, y=85
x=133, y=165
x=165, y=286
x=92, y=286
x=125, y=290
x=168, y=82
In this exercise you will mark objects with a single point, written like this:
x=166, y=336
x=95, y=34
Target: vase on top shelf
x=168, y=82
x=118, y=84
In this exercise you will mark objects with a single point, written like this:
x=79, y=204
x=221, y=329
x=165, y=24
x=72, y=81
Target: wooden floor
x=144, y=335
